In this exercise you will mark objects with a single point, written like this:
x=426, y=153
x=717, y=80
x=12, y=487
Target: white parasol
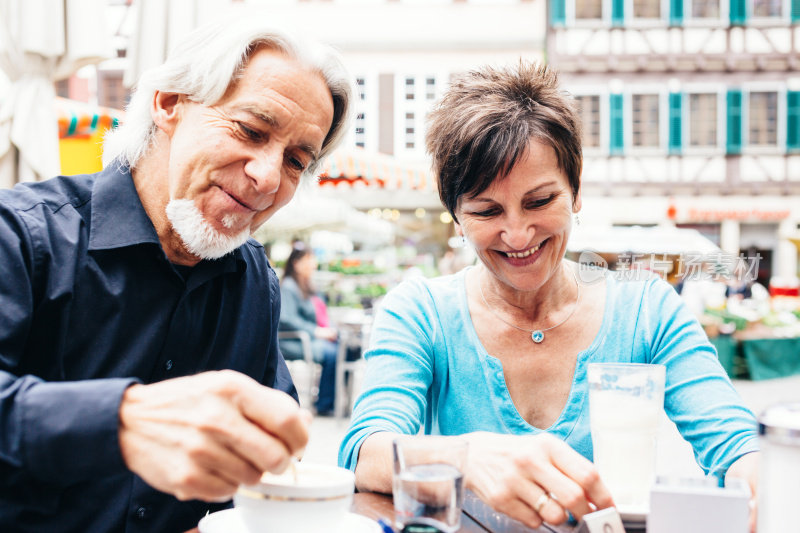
x=308, y=212
x=41, y=42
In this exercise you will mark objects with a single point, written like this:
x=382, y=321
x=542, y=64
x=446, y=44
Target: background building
x=691, y=112
x=691, y=108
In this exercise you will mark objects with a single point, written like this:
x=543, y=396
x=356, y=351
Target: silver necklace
x=537, y=335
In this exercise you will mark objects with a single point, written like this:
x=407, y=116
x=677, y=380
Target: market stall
x=666, y=250
x=81, y=128
x=366, y=180
x=755, y=329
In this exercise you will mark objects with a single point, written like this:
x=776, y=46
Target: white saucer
x=632, y=514
x=228, y=521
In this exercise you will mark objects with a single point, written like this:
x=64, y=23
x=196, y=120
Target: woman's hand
x=533, y=478
x=329, y=334
x=746, y=468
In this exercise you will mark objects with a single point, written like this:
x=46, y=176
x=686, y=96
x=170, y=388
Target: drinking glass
x=625, y=401
x=427, y=481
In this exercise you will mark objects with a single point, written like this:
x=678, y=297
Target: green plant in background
x=728, y=318
x=353, y=268
x=373, y=290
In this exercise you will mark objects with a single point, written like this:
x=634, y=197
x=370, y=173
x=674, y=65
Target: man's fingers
x=256, y=448
x=276, y=413
x=228, y=463
x=209, y=487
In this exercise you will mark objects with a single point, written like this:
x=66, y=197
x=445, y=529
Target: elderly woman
x=497, y=353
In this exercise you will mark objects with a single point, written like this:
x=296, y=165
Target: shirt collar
x=119, y=219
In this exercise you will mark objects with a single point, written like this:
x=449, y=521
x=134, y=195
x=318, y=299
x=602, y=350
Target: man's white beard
x=198, y=235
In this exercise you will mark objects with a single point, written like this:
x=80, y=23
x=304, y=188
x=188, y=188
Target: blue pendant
x=537, y=336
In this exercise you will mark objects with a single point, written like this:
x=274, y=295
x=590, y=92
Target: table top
x=473, y=520
x=379, y=506
x=375, y=506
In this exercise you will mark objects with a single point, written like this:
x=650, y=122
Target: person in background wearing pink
x=299, y=313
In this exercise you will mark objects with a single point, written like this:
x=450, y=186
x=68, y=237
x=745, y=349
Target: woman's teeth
x=526, y=253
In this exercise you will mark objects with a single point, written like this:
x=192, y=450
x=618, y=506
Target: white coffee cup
x=320, y=496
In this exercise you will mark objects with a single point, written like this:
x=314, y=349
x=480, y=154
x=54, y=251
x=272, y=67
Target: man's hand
x=200, y=437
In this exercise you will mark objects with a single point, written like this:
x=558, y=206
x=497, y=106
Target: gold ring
x=543, y=499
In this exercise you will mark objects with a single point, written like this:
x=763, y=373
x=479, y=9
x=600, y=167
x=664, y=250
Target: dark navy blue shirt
x=89, y=304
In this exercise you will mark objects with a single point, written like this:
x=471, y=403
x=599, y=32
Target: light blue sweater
x=427, y=368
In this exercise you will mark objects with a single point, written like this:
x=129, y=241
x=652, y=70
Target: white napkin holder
x=699, y=505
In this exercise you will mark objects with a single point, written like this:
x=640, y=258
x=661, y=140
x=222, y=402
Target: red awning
x=356, y=167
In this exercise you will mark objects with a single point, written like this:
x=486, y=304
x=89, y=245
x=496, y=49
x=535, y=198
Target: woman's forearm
x=374, y=466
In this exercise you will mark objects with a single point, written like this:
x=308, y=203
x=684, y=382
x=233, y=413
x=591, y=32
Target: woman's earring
x=463, y=241
x=577, y=219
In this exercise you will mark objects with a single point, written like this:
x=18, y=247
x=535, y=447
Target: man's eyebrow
x=308, y=149
x=272, y=121
x=260, y=115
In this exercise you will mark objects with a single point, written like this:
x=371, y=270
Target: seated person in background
x=497, y=353
x=298, y=313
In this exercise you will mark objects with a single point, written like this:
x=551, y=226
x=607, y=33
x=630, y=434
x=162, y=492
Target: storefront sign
x=716, y=215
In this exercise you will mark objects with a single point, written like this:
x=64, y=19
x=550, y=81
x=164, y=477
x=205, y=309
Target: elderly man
x=140, y=375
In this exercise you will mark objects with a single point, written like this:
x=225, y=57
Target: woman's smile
x=523, y=257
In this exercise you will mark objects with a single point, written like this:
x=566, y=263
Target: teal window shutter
x=676, y=12
x=795, y=11
x=675, y=125
x=558, y=12
x=616, y=138
x=793, y=121
x=738, y=12
x=617, y=12
x=734, y=144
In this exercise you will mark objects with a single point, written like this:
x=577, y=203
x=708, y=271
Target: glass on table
x=625, y=403
x=427, y=482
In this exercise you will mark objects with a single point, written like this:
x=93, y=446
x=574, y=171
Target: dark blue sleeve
x=278, y=373
x=49, y=430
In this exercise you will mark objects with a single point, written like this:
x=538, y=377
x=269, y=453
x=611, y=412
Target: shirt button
x=168, y=364
x=141, y=513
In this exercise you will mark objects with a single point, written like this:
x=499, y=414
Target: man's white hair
x=206, y=63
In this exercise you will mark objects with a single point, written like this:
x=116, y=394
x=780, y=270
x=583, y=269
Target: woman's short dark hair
x=484, y=123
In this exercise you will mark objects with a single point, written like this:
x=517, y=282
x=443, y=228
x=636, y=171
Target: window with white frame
x=762, y=112
x=409, y=85
x=703, y=120
x=767, y=8
x=588, y=9
x=589, y=111
x=645, y=126
x=647, y=9
x=361, y=88
x=361, y=134
x=411, y=131
x=430, y=88
x=415, y=94
x=364, y=130
x=705, y=9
